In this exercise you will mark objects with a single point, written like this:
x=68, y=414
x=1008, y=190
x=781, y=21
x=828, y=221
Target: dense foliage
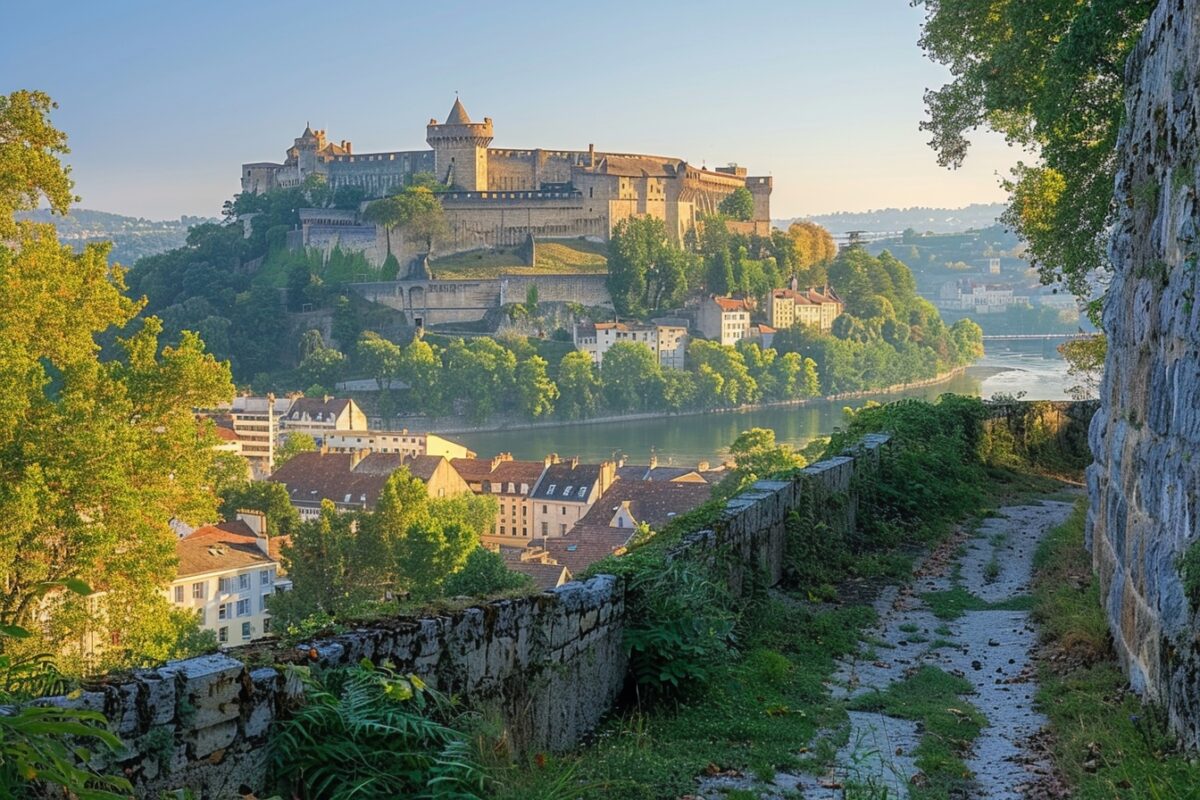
x=102, y=450
x=1049, y=75
x=371, y=732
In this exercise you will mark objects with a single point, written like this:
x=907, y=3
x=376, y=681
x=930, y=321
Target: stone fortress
x=501, y=197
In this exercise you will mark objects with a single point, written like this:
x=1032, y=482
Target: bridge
x=1045, y=337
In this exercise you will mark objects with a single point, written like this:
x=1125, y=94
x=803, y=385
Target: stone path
x=990, y=648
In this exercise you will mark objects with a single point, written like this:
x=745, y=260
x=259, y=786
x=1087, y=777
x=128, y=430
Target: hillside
x=570, y=255
x=920, y=218
x=132, y=237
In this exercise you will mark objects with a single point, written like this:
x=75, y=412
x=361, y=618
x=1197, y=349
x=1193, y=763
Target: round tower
x=460, y=149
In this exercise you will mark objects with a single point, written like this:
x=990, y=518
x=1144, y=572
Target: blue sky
x=164, y=100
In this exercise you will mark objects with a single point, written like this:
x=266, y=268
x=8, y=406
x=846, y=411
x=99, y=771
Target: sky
x=163, y=101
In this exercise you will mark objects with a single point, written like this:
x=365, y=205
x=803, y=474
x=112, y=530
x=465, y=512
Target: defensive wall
x=434, y=302
x=550, y=665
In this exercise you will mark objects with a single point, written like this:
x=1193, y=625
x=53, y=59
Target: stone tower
x=304, y=150
x=460, y=149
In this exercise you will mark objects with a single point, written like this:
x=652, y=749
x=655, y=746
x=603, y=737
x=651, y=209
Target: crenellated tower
x=460, y=149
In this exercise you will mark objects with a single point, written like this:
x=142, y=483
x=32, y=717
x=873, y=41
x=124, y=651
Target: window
x=582, y=491
x=545, y=528
x=223, y=585
x=544, y=508
x=198, y=590
x=243, y=608
x=178, y=594
x=564, y=509
x=502, y=529
x=264, y=577
x=263, y=607
x=245, y=630
x=243, y=581
x=550, y=491
x=567, y=491
x=223, y=635
x=223, y=611
x=562, y=529
x=524, y=531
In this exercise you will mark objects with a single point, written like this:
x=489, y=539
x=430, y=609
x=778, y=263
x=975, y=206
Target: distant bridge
x=1045, y=337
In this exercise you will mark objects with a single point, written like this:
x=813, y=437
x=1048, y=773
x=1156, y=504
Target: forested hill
x=919, y=218
x=132, y=237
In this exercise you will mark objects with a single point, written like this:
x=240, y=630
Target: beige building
x=565, y=492
x=255, y=423
x=501, y=196
x=666, y=338
x=320, y=416
x=353, y=481
x=226, y=573
x=724, y=319
x=816, y=308
x=512, y=484
x=402, y=441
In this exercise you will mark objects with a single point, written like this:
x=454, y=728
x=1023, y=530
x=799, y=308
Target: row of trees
x=648, y=271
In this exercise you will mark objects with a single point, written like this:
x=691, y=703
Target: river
x=1034, y=368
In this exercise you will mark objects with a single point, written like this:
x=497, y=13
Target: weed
x=909, y=627
x=991, y=570
x=953, y=603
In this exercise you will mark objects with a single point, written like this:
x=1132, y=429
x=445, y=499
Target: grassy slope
x=576, y=255
x=1105, y=743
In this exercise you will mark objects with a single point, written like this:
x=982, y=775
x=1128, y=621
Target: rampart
x=550, y=665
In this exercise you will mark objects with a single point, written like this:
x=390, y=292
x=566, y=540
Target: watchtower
x=460, y=149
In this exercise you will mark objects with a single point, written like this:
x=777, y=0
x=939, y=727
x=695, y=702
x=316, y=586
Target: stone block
x=210, y=685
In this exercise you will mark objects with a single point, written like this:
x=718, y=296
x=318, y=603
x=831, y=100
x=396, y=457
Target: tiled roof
x=317, y=408
x=563, y=475
x=313, y=477
x=642, y=472
x=546, y=576
x=477, y=470
x=215, y=548
x=731, y=303
x=653, y=502
x=585, y=545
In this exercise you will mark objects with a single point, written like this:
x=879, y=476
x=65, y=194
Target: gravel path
x=991, y=648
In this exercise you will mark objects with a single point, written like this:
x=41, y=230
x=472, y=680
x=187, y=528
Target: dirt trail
x=988, y=572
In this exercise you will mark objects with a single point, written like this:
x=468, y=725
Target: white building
x=667, y=338
x=226, y=573
x=402, y=441
x=320, y=416
x=255, y=420
x=724, y=319
x=976, y=298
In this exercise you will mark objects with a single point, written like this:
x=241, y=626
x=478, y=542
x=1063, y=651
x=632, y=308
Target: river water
x=1032, y=367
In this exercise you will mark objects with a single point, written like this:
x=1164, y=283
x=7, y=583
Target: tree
x=535, y=390
x=380, y=358
x=631, y=377
x=296, y=442
x=386, y=213
x=738, y=204
x=578, y=386
x=1085, y=363
x=758, y=456
x=415, y=211
x=737, y=387
x=485, y=573
x=323, y=366
x=421, y=369
x=264, y=496
x=645, y=270
x=1050, y=77
x=104, y=449
x=480, y=373
x=812, y=249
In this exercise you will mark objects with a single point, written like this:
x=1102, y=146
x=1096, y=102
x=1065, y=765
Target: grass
x=574, y=255
x=1105, y=743
x=948, y=724
x=756, y=716
x=953, y=603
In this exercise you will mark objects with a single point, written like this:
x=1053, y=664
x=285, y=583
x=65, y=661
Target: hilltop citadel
x=501, y=197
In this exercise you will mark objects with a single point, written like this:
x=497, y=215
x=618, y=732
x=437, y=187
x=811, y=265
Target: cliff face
x=1144, y=486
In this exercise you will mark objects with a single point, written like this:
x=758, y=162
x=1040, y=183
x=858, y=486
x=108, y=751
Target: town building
x=974, y=297
x=629, y=504
x=537, y=564
x=724, y=319
x=499, y=197
x=511, y=483
x=565, y=492
x=667, y=338
x=255, y=422
x=402, y=441
x=321, y=416
x=654, y=471
x=353, y=481
x=226, y=574
x=816, y=308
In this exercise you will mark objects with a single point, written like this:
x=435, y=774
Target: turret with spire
x=460, y=149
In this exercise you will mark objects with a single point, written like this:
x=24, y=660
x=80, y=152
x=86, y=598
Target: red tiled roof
x=585, y=545
x=312, y=477
x=213, y=548
x=731, y=304
x=653, y=502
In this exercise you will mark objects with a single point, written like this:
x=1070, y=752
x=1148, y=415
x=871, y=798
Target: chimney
x=500, y=458
x=591, y=155
x=608, y=474
x=574, y=462
x=326, y=399
x=324, y=447
x=552, y=458
x=257, y=522
x=357, y=455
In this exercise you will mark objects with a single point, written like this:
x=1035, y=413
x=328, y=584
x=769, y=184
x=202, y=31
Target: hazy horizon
x=828, y=103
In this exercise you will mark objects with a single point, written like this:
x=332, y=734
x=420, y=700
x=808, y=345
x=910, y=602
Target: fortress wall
x=588, y=290
x=500, y=224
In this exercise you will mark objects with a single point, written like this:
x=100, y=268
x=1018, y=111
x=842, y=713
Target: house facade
x=815, y=308
x=565, y=493
x=724, y=319
x=321, y=416
x=512, y=484
x=666, y=338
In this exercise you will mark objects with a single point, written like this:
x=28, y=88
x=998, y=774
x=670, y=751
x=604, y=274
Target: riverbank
x=455, y=426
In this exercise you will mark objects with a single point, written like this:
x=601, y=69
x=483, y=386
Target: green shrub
x=368, y=732
x=485, y=573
